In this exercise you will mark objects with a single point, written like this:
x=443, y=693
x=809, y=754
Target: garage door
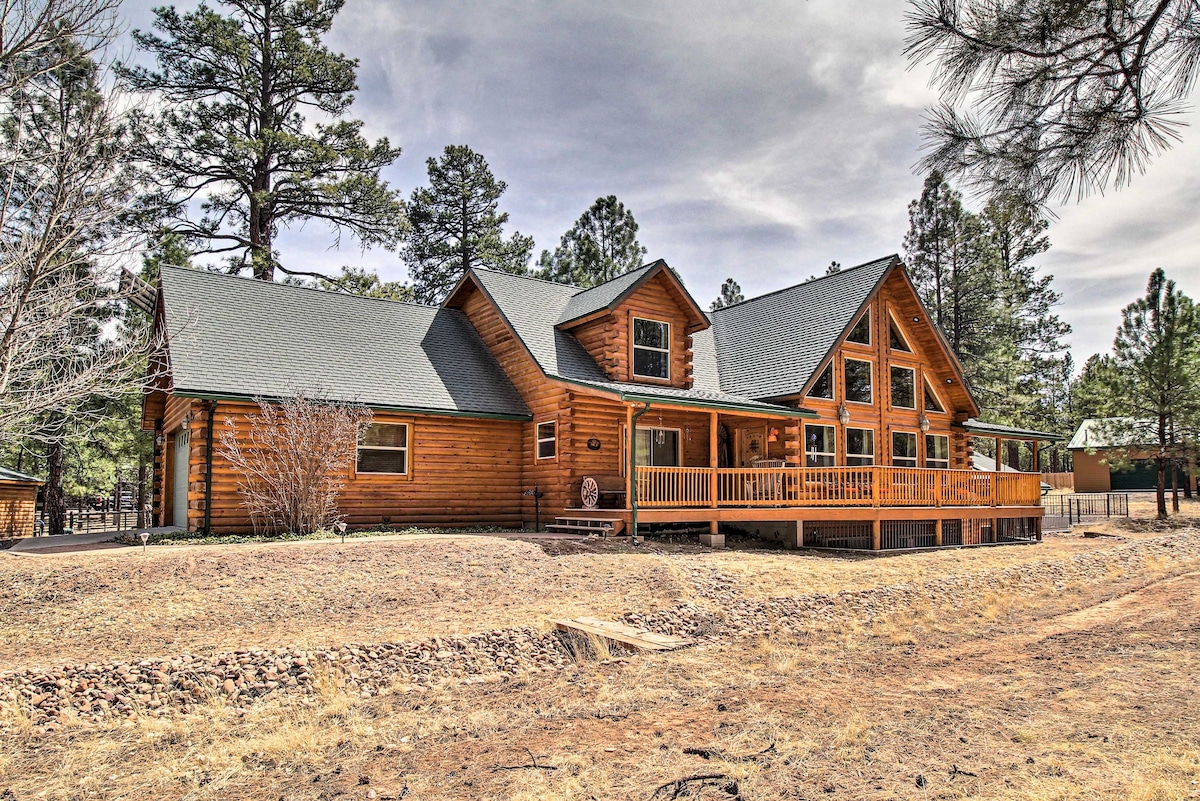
x=1143, y=475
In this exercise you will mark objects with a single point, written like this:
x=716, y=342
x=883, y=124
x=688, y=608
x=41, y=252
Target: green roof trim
x=1008, y=432
x=183, y=393
x=758, y=408
x=24, y=478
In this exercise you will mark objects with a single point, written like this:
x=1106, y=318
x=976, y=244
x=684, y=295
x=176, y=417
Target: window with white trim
x=819, y=446
x=860, y=446
x=896, y=339
x=859, y=380
x=904, y=449
x=904, y=387
x=547, y=439
x=932, y=402
x=383, y=448
x=651, y=348
x=860, y=334
x=657, y=447
x=937, y=451
x=823, y=386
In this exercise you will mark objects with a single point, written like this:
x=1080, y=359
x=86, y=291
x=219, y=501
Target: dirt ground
x=1079, y=687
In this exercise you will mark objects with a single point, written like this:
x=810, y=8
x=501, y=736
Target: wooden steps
x=604, y=527
x=628, y=636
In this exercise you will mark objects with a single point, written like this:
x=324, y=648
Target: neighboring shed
x=1093, y=445
x=18, y=503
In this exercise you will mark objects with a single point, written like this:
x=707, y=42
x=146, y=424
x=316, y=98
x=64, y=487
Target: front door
x=179, y=479
x=752, y=445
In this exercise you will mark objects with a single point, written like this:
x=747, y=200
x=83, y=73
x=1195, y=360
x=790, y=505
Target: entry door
x=179, y=479
x=752, y=444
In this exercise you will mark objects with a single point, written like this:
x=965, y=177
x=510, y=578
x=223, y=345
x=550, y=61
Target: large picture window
x=657, y=447
x=860, y=446
x=904, y=449
x=823, y=386
x=859, y=381
x=904, y=388
x=383, y=448
x=547, y=440
x=819, y=446
x=937, y=451
x=651, y=348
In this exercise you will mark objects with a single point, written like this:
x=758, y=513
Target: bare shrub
x=293, y=461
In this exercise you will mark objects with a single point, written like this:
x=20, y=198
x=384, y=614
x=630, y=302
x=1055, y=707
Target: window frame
x=912, y=371
x=942, y=464
x=866, y=315
x=831, y=454
x=633, y=349
x=927, y=391
x=916, y=457
x=850, y=455
x=832, y=392
x=406, y=448
x=845, y=390
x=538, y=439
x=678, y=446
x=904, y=337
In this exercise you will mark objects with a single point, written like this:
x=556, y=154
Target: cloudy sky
x=754, y=140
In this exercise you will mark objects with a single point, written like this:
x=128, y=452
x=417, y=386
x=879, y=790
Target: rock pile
x=155, y=686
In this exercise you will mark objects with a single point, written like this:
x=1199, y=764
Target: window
x=932, y=404
x=383, y=448
x=904, y=449
x=823, y=386
x=937, y=451
x=860, y=446
x=651, y=348
x=896, y=340
x=547, y=439
x=858, y=381
x=819, y=446
x=657, y=447
x=861, y=332
x=904, y=388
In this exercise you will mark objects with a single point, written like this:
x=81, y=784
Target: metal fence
x=1064, y=511
x=96, y=522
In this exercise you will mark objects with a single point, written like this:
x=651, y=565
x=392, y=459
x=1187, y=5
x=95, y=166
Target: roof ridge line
x=616, y=277
x=527, y=278
x=193, y=270
x=812, y=280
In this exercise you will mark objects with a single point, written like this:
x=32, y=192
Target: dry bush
x=292, y=464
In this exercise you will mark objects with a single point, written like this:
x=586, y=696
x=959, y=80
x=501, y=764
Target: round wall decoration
x=593, y=444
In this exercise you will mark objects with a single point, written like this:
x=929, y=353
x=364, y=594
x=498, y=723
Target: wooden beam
x=712, y=460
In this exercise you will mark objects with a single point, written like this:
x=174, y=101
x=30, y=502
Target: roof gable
x=239, y=337
x=609, y=295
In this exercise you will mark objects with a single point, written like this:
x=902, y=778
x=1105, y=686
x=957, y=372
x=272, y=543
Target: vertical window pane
x=858, y=380
x=860, y=446
x=547, y=444
x=650, y=363
x=904, y=388
x=650, y=333
x=904, y=449
x=819, y=446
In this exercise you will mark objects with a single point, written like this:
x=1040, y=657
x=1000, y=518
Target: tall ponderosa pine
x=601, y=245
x=731, y=293
x=1155, y=377
x=232, y=133
x=455, y=225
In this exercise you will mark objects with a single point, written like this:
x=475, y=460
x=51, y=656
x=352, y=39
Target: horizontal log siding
x=17, y=508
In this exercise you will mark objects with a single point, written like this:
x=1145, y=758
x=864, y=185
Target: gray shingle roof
x=591, y=300
x=532, y=306
x=240, y=337
x=995, y=429
x=13, y=475
x=770, y=346
x=1111, y=432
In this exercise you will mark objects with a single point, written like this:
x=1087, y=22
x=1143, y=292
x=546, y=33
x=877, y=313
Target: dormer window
x=651, y=349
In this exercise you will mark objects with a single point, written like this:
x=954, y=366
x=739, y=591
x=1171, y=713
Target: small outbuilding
x=1094, y=448
x=18, y=503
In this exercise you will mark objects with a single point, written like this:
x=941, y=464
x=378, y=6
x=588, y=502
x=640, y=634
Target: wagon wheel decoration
x=589, y=491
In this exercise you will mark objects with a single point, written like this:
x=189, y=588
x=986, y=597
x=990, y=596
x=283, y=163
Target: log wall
x=17, y=509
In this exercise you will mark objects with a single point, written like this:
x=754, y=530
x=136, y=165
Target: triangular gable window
x=861, y=332
x=932, y=404
x=896, y=340
x=823, y=386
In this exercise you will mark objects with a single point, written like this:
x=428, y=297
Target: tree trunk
x=1174, y=488
x=55, y=500
x=1160, y=489
x=141, y=494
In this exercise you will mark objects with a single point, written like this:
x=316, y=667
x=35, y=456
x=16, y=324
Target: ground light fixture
x=144, y=536
x=341, y=527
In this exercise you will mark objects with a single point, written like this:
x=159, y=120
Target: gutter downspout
x=633, y=497
x=208, y=461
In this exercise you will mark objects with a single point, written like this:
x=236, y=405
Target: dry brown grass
x=1081, y=692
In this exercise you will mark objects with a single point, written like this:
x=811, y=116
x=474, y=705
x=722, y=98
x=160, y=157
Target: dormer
x=638, y=326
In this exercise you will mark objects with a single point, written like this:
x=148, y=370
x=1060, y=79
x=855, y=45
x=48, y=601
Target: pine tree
x=357, y=281
x=1155, y=376
x=601, y=245
x=731, y=293
x=233, y=134
x=456, y=225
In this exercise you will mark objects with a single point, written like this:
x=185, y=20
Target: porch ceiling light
x=843, y=414
x=924, y=424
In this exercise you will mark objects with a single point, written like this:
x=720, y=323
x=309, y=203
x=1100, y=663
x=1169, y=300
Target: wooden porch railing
x=878, y=485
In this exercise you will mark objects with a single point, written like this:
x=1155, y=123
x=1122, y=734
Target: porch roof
x=983, y=429
x=700, y=398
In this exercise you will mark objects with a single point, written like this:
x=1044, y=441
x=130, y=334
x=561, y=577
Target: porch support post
x=1037, y=462
x=939, y=535
x=999, y=455
x=876, y=535
x=712, y=461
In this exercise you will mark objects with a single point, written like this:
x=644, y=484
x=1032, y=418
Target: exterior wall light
x=843, y=414
x=924, y=424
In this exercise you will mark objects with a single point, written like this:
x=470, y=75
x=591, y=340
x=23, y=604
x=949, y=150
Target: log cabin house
x=828, y=414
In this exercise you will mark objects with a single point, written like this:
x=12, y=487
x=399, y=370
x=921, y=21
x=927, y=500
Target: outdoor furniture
x=598, y=492
x=765, y=487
